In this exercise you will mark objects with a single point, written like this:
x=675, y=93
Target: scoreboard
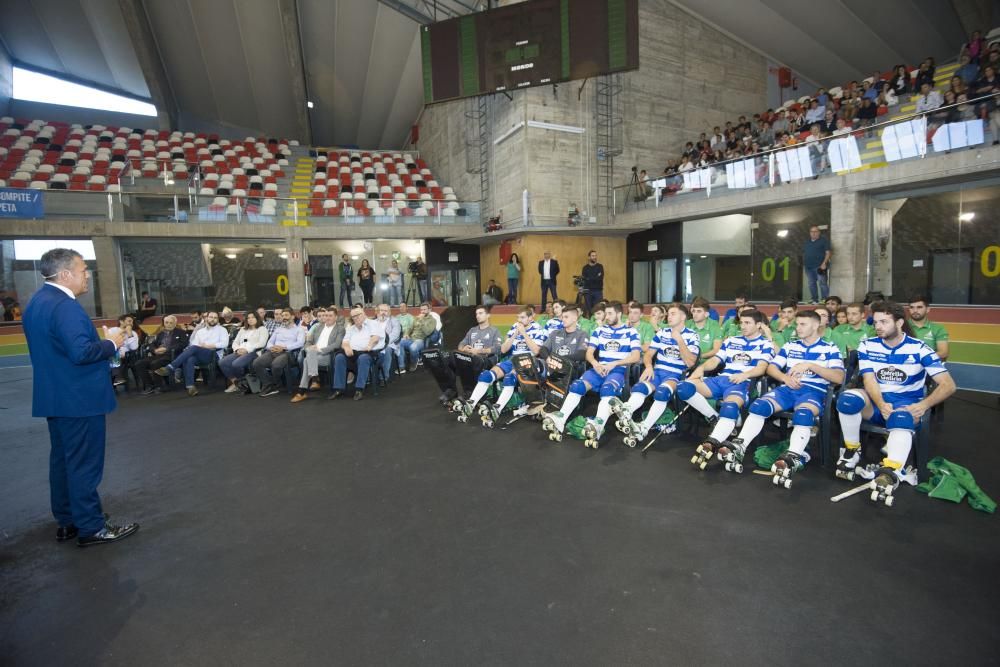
x=533, y=43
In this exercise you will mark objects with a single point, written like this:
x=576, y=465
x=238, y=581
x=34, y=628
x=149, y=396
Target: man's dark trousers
x=548, y=286
x=76, y=466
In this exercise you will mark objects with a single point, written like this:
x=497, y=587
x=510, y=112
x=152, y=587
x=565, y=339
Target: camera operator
x=642, y=190
x=593, y=280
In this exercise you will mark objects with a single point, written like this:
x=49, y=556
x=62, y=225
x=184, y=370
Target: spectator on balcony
x=716, y=138
x=967, y=71
x=900, y=81
x=992, y=58
x=815, y=113
x=867, y=115
x=686, y=165
x=945, y=113
x=817, y=150
x=147, y=306
x=842, y=127
x=928, y=99
x=887, y=97
x=780, y=122
x=974, y=48
x=766, y=136
x=956, y=85
x=868, y=90
x=829, y=122
x=924, y=75
x=989, y=84
x=964, y=111
x=849, y=107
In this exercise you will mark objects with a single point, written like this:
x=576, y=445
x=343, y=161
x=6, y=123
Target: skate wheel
x=889, y=500
x=630, y=442
x=787, y=483
x=874, y=496
x=729, y=466
x=776, y=480
x=703, y=465
x=738, y=467
x=694, y=459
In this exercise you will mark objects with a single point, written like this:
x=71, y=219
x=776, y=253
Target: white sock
x=723, y=428
x=635, y=401
x=656, y=411
x=751, y=428
x=479, y=392
x=569, y=405
x=851, y=427
x=604, y=410
x=897, y=447
x=505, y=395
x=799, y=439
x=700, y=403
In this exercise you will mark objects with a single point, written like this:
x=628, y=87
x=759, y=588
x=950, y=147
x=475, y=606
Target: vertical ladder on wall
x=609, y=123
x=478, y=136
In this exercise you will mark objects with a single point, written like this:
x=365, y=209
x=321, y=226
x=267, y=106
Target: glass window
x=325, y=257
x=20, y=275
x=37, y=87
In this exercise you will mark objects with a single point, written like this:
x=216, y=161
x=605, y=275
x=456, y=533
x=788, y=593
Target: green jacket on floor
x=950, y=481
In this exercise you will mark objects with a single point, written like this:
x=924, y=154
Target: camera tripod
x=632, y=192
x=411, y=290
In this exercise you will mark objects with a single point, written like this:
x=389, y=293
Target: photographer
x=642, y=191
x=592, y=274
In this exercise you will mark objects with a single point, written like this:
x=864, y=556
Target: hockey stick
x=867, y=486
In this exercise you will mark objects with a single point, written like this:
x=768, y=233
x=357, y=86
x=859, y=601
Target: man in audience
x=645, y=329
x=833, y=303
x=147, y=306
x=815, y=113
x=286, y=340
x=321, y=342
x=548, y=270
x=930, y=333
x=928, y=99
x=405, y=328
x=849, y=336
x=424, y=326
x=195, y=323
x=783, y=324
x=708, y=330
x=168, y=341
x=206, y=343
x=392, y=333
x=494, y=295
x=361, y=338
x=739, y=301
x=271, y=320
x=816, y=255
x=593, y=279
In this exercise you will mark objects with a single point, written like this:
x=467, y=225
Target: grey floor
x=383, y=532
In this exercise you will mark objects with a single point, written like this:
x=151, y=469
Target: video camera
x=578, y=283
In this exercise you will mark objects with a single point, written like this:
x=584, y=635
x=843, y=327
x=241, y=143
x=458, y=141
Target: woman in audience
x=900, y=81
x=119, y=369
x=956, y=86
x=513, y=277
x=887, y=97
x=366, y=280
x=250, y=339
x=989, y=84
x=944, y=113
x=924, y=75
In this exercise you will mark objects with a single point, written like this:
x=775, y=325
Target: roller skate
x=447, y=399
x=592, y=432
x=787, y=463
x=848, y=462
x=704, y=453
x=488, y=414
x=464, y=410
x=554, y=424
x=635, y=435
x=731, y=451
x=885, y=483
x=622, y=418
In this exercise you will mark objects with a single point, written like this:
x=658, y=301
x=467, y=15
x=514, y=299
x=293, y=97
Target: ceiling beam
x=150, y=62
x=289, y=12
x=408, y=11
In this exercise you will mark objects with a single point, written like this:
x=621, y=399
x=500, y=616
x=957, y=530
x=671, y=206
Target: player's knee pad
x=851, y=402
x=663, y=393
x=729, y=410
x=641, y=388
x=488, y=377
x=685, y=390
x=900, y=419
x=578, y=387
x=803, y=417
x=762, y=408
x=609, y=389
x=509, y=380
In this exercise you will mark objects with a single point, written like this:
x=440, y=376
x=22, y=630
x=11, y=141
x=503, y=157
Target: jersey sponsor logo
x=890, y=375
x=563, y=351
x=741, y=357
x=612, y=346
x=478, y=345
x=672, y=352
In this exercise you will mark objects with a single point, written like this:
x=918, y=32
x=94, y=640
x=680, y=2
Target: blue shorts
x=787, y=398
x=615, y=378
x=721, y=387
x=877, y=420
x=507, y=366
x=660, y=377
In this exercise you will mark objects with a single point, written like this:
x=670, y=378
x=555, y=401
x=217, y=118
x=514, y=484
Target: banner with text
x=16, y=203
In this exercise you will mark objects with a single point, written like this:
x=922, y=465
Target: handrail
x=832, y=137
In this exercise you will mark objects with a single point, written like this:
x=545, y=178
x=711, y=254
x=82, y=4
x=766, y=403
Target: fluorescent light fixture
x=967, y=217
x=703, y=256
x=503, y=137
x=230, y=255
x=782, y=233
x=354, y=256
x=258, y=254
x=35, y=87
x=556, y=127
x=282, y=255
x=33, y=249
x=309, y=105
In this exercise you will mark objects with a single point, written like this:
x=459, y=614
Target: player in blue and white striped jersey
x=674, y=349
x=523, y=336
x=555, y=322
x=806, y=367
x=743, y=358
x=612, y=348
x=894, y=368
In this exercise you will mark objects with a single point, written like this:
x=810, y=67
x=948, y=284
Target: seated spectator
x=228, y=320
x=493, y=295
x=829, y=122
x=993, y=57
x=925, y=75
x=815, y=113
x=361, y=337
x=393, y=333
x=287, y=339
x=405, y=327
x=321, y=343
x=716, y=139
x=968, y=71
x=964, y=111
x=868, y=90
x=307, y=319
x=642, y=191
x=168, y=342
x=424, y=326
x=205, y=344
x=119, y=370
x=849, y=108
x=974, y=48
x=822, y=97
x=945, y=112
x=780, y=122
x=900, y=81
x=147, y=306
x=195, y=323
x=817, y=150
x=887, y=97
x=989, y=84
x=250, y=340
x=271, y=320
x=928, y=99
x=957, y=86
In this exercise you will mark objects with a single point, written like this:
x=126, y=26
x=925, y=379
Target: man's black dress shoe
x=334, y=395
x=108, y=534
x=64, y=533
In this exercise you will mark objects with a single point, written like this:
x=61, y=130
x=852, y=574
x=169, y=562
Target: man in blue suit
x=72, y=390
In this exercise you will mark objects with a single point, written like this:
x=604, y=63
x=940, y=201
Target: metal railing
x=909, y=137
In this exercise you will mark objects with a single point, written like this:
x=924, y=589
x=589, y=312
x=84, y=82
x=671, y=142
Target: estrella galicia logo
x=612, y=346
x=890, y=375
x=741, y=358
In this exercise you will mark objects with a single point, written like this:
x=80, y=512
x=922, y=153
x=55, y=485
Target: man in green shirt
x=931, y=333
x=783, y=326
x=708, y=330
x=848, y=336
x=825, y=330
x=645, y=329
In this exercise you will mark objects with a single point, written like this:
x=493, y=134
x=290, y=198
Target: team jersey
x=482, y=339
x=553, y=324
x=822, y=353
x=614, y=343
x=568, y=345
x=740, y=353
x=534, y=332
x=668, y=353
x=900, y=371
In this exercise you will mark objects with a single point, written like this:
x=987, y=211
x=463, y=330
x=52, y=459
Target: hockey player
x=743, y=358
x=555, y=322
x=894, y=367
x=564, y=348
x=805, y=367
x=524, y=336
x=673, y=350
x=611, y=349
x=480, y=342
